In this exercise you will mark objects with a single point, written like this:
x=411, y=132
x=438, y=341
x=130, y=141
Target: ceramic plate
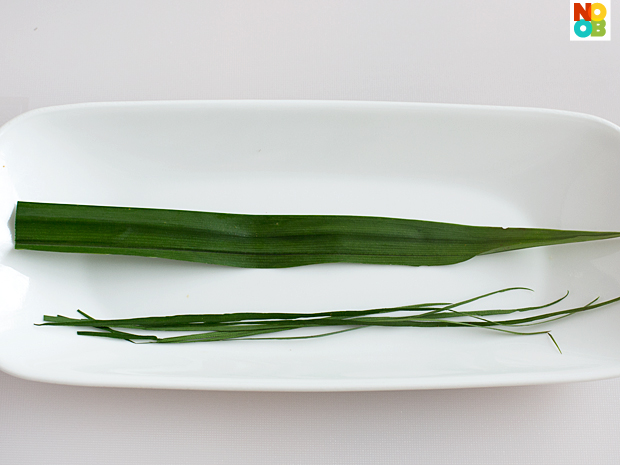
x=462, y=164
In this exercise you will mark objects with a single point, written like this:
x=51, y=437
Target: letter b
x=598, y=28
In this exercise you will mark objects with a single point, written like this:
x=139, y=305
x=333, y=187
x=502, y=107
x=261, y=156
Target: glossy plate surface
x=462, y=164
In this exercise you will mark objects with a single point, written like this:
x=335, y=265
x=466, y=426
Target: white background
x=479, y=52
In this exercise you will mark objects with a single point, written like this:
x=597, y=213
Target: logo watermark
x=590, y=21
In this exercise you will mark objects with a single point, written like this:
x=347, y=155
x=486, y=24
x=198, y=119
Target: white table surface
x=481, y=52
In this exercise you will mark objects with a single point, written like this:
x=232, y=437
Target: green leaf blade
x=269, y=241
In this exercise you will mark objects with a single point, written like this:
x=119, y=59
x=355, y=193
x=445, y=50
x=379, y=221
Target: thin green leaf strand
x=255, y=326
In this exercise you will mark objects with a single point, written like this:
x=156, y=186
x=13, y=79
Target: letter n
x=582, y=12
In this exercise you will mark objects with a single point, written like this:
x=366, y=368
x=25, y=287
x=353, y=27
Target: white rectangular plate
x=462, y=164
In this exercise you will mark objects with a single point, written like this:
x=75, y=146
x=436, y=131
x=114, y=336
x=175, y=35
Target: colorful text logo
x=590, y=21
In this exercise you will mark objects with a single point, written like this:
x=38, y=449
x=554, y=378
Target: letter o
x=602, y=11
x=587, y=31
